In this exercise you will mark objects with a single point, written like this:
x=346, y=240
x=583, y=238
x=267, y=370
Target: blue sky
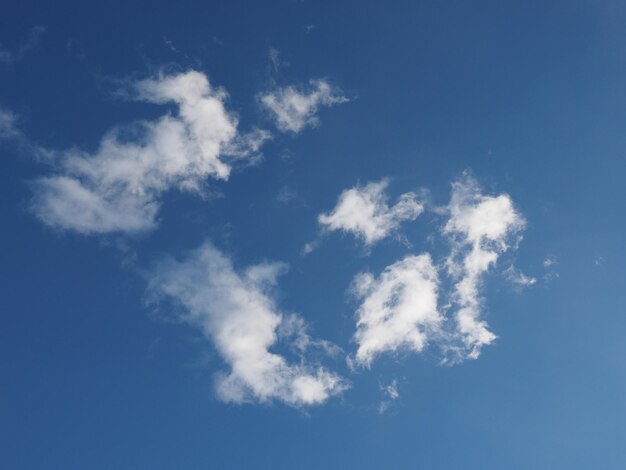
x=301, y=234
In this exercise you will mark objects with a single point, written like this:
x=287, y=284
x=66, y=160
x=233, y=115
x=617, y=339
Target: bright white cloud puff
x=235, y=310
x=294, y=109
x=117, y=188
x=398, y=308
x=363, y=211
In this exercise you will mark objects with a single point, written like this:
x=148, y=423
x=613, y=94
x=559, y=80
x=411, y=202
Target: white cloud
x=235, y=310
x=480, y=228
x=295, y=331
x=518, y=278
x=391, y=390
x=390, y=394
x=398, y=309
x=295, y=109
x=117, y=188
x=364, y=212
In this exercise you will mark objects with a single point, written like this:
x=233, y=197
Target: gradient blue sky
x=529, y=98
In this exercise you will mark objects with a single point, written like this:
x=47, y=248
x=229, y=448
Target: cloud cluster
x=236, y=311
x=406, y=307
x=400, y=309
x=294, y=109
x=117, y=188
x=364, y=212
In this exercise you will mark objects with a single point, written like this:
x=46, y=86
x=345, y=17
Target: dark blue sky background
x=530, y=96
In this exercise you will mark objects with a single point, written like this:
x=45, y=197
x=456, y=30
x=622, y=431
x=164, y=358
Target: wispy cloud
x=10, y=131
x=390, y=394
x=518, y=278
x=363, y=211
x=8, y=127
x=118, y=188
x=293, y=108
x=550, y=264
x=549, y=261
x=8, y=56
x=287, y=195
x=275, y=61
x=236, y=311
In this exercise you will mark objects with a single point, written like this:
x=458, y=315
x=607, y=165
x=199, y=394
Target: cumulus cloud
x=8, y=56
x=398, y=309
x=364, y=212
x=117, y=188
x=294, y=109
x=480, y=229
x=236, y=311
